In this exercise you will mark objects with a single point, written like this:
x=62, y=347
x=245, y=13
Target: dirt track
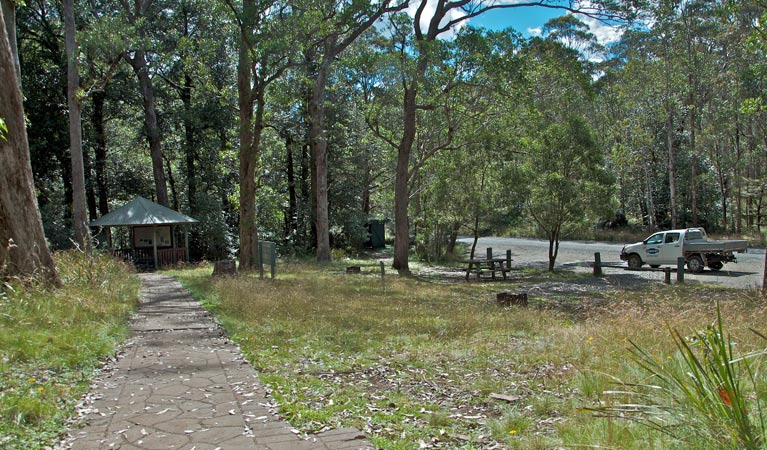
x=578, y=256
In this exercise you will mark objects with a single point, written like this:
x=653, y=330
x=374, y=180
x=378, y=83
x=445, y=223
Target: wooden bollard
x=680, y=269
x=508, y=299
x=597, y=264
x=667, y=275
x=383, y=273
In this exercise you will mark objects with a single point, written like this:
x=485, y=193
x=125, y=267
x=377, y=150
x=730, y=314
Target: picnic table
x=488, y=265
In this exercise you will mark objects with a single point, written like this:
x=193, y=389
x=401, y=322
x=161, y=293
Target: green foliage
x=569, y=186
x=53, y=340
x=3, y=130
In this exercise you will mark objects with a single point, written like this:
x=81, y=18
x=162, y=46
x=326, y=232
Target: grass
x=414, y=365
x=53, y=340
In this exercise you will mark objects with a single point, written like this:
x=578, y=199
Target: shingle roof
x=141, y=211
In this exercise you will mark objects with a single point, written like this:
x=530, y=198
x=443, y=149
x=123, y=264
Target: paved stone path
x=182, y=384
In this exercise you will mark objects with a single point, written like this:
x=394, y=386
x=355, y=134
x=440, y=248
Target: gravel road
x=578, y=255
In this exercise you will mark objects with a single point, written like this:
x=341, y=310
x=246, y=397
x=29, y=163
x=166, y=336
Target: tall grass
x=416, y=364
x=53, y=339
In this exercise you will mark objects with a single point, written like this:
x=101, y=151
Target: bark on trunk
x=401, y=183
x=23, y=249
x=141, y=69
x=553, y=249
x=9, y=17
x=250, y=132
x=319, y=143
x=79, y=205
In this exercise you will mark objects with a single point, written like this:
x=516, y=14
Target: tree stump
x=225, y=267
x=509, y=299
x=354, y=269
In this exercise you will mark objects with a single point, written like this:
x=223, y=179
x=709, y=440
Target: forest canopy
x=301, y=121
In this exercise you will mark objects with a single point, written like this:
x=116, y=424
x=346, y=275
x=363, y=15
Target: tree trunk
x=649, y=194
x=97, y=118
x=401, y=182
x=141, y=69
x=671, y=166
x=90, y=191
x=9, y=16
x=190, y=145
x=450, y=250
x=23, y=249
x=319, y=143
x=79, y=206
x=693, y=163
x=172, y=185
x=251, y=123
x=476, y=237
x=306, y=226
x=291, y=219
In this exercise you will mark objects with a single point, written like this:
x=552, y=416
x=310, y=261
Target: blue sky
x=525, y=20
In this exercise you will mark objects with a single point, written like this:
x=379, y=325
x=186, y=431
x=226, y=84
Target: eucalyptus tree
x=141, y=19
x=23, y=249
x=432, y=20
x=79, y=207
x=568, y=184
x=266, y=51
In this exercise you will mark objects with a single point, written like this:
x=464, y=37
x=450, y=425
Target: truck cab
x=664, y=247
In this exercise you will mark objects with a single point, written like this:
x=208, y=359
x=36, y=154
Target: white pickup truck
x=665, y=247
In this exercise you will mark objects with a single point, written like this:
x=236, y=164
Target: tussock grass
x=53, y=339
x=415, y=365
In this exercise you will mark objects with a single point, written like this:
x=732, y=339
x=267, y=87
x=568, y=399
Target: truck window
x=693, y=235
x=671, y=237
x=655, y=239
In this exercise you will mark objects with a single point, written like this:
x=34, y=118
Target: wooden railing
x=143, y=257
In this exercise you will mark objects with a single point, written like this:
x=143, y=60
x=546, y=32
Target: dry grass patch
x=415, y=365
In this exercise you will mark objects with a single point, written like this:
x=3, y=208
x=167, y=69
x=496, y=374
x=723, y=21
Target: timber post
x=597, y=264
x=680, y=269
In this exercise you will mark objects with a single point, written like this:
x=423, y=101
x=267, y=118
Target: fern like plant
x=703, y=395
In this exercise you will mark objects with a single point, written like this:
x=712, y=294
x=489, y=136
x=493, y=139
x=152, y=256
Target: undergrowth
x=53, y=339
x=418, y=364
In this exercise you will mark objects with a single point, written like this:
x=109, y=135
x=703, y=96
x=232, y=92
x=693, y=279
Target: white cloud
x=605, y=33
x=537, y=31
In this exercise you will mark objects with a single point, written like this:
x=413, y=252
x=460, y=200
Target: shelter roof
x=141, y=211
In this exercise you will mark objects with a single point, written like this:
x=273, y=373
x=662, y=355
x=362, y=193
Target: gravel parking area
x=579, y=256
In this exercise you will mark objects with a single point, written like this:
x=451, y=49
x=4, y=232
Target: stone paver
x=181, y=384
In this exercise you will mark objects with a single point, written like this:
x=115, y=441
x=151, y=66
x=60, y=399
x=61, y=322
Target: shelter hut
x=152, y=238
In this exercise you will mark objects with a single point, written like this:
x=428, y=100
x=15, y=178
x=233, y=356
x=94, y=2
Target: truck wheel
x=695, y=264
x=716, y=265
x=635, y=262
